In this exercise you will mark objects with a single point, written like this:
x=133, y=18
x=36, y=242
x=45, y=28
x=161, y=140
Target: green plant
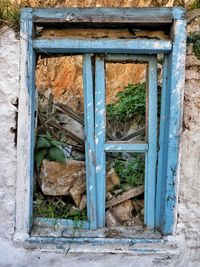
x=194, y=38
x=9, y=13
x=48, y=208
x=131, y=172
x=48, y=148
x=195, y=5
x=130, y=104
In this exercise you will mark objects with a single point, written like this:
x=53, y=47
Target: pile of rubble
x=69, y=179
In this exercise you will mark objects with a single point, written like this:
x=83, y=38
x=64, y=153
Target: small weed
x=47, y=207
x=195, y=5
x=131, y=172
x=130, y=104
x=194, y=38
x=9, y=13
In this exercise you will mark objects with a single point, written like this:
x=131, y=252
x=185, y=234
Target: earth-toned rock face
x=63, y=77
x=105, y=3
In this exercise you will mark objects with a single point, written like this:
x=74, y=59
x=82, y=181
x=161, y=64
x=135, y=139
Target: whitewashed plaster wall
x=188, y=227
x=9, y=89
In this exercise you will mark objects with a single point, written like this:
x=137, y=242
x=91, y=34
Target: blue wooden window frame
x=161, y=190
x=149, y=148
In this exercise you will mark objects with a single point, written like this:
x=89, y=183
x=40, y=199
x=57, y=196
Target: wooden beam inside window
x=105, y=17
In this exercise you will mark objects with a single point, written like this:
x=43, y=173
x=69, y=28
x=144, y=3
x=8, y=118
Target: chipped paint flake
x=98, y=168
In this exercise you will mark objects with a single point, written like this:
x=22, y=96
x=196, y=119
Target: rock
x=56, y=179
x=138, y=205
x=83, y=202
x=111, y=221
x=109, y=196
x=123, y=211
x=112, y=180
x=78, y=188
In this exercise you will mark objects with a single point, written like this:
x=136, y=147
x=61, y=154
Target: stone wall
x=9, y=89
x=63, y=78
x=189, y=193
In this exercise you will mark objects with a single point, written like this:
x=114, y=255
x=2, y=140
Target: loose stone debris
x=67, y=181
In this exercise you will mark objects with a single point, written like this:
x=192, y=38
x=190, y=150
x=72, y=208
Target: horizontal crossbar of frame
x=69, y=45
x=92, y=240
x=108, y=17
x=127, y=58
x=129, y=147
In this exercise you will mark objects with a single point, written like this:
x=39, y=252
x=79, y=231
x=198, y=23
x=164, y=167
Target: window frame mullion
x=90, y=159
x=100, y=133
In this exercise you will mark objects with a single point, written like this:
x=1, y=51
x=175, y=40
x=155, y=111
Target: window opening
x=125, y=174
x=60, y=161
x=125, y=101
x=60, y=172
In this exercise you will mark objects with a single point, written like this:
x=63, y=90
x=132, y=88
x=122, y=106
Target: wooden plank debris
x=67, y=132
x=133, y=135
x=67, y=110
x=133, y=192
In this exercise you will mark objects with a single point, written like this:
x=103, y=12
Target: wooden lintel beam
x=144, y=18
x=105, y=20
x=108, y=16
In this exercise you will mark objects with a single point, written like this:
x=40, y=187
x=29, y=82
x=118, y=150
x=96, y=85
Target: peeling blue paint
x=151, y=154
x=26, y=30
x=100, y=136
x=89, y=143
x=70, y=45
x=162, y=214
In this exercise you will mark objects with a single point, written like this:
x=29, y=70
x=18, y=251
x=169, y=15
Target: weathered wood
x=101, y=45
x=25, y=131
x=71, y=125
x=151, y=156
x=163, y=143
x=66, y=109
x=46, y=227
x=68, y=133
x=132, y=135
x=89, y=122
x=121, y=146
x=175, y=88
x=133, y=192
x=78, y=117
x=100, y=124
x=127, y=58
x=175, y=78
x=106, y=17
x=110, y=219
